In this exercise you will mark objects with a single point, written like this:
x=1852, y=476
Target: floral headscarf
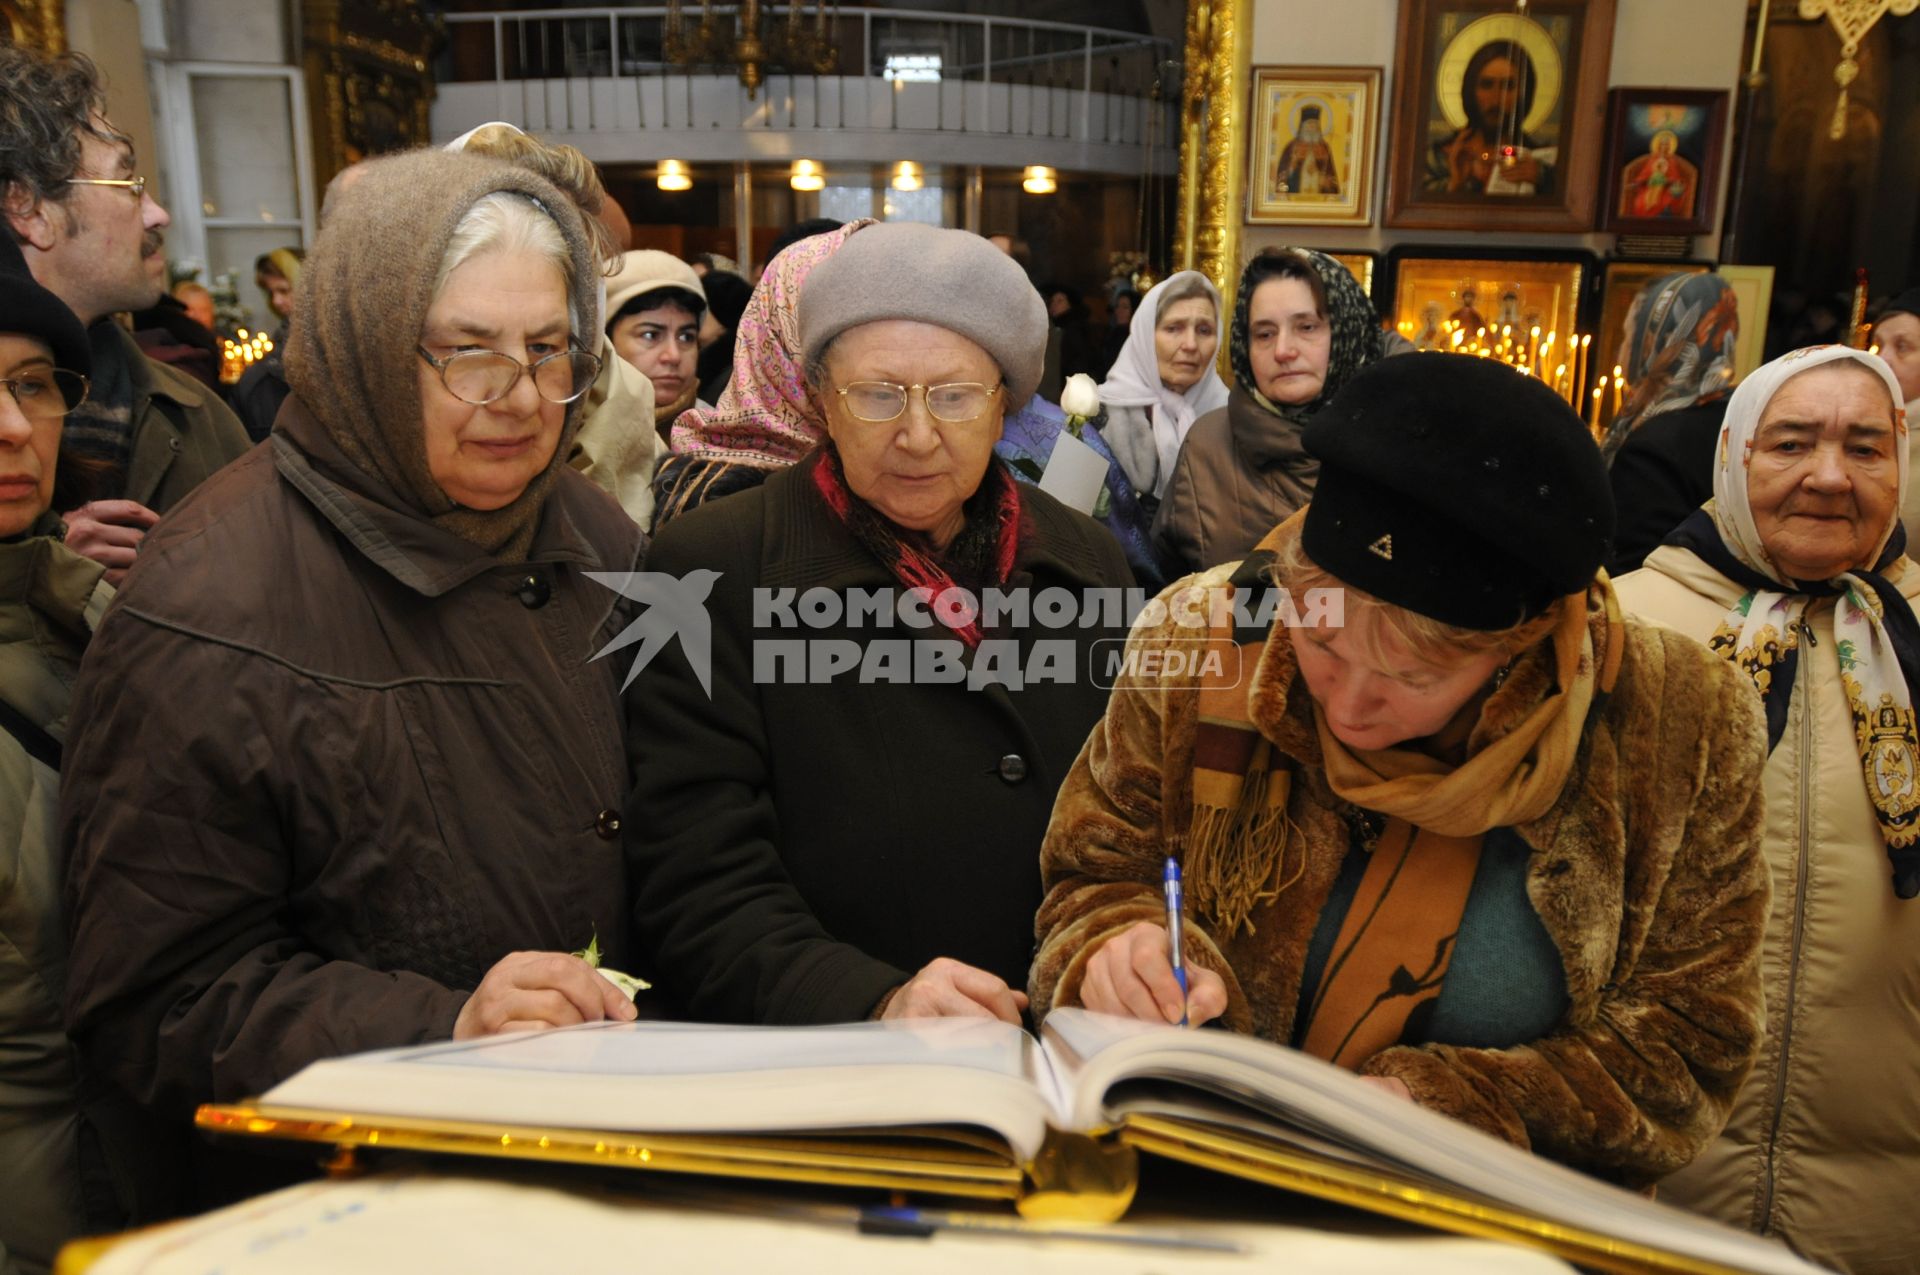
x=1679, y=351
x=1354, y=328
x=1877, y=634
x=765, y=418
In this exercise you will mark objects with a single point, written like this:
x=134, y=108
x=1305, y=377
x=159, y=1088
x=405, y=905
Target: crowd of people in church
x=1586, y=812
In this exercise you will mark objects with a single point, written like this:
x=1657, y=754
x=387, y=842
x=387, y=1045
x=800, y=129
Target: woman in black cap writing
x=1488, y=844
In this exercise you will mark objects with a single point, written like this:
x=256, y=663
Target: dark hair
x=1513, y=52
x=46, y=104
x=1283, y=263
x=802, y=230
x=655, y=298
x=78, y=479
x=727, y=297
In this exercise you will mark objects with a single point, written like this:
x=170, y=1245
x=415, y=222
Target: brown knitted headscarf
x=362, y=305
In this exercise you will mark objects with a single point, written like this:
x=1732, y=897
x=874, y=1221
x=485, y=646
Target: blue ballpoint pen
x=1173, y=932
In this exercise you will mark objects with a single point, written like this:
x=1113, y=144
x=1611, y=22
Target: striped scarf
x=101, y=427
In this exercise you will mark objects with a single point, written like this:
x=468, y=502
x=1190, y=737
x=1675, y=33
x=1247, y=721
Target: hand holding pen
x=1175, y=940
x=1133, y=973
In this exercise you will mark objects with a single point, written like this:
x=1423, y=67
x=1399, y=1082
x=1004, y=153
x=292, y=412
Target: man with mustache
x=91, y=234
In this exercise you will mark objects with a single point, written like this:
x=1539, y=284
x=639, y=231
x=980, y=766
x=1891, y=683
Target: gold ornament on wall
x=369, y=78
x=1852, y=20
x=1213, y=139
x=35, y=24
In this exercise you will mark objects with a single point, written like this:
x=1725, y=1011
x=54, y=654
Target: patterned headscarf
x=1357, y=337
x=766, y=418
x=1877, y=635
x=1679, y=351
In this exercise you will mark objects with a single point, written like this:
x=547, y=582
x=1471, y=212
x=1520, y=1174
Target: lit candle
x=1560, y=384
x=1619, y=384
x=1594, y=423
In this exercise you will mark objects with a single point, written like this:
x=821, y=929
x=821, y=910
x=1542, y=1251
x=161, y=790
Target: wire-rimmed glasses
x=46, y=393
x=136, y=186
x=956, y=402
x=487, y=376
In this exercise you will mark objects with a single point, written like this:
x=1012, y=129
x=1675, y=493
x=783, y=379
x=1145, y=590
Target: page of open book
x=1097, y=1057
x=688, y=1078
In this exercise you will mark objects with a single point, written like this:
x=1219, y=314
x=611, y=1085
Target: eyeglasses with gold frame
x=137, y=186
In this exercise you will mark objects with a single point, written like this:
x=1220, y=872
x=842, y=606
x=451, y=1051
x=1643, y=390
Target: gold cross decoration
x=1851, y=19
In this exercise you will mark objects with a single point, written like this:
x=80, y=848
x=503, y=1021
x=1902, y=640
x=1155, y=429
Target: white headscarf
x=1732, y=514
x=1762, y=632
x=1134, y=381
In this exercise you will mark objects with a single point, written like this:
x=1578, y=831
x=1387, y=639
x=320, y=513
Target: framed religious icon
x=1361, y=265
x=1620, y=283
x=1315, y=136
x=1497, y=114
x=1753, y=287
x=1663, y=161
x=1520, y=307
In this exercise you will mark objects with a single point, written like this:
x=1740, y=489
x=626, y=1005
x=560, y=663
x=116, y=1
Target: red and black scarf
x=980, y=557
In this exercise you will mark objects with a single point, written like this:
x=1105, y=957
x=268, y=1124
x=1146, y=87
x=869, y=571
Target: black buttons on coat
x=1013, y=768
x=533, y=591
x=607, y=824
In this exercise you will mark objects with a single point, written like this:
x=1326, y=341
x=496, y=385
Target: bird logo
x=676, y=605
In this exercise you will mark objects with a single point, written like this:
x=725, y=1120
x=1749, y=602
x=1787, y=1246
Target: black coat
x=1662, y=473
x=798, y=850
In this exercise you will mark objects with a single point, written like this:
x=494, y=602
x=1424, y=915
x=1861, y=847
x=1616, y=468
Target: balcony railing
x=605, y=70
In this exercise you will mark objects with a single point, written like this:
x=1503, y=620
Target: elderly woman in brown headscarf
x=340, y=769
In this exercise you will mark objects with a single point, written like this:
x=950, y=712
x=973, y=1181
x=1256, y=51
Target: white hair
x=505, y=221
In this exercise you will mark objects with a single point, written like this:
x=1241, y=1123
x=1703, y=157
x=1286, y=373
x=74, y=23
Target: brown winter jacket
x=1241, y=472
x=1646, y=875
x=327, y=764
x=1823, y=1147
x=182, y=432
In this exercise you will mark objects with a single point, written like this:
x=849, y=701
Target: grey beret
x=950, y=278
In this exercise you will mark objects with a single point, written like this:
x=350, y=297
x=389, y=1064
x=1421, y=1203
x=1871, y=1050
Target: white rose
x=1080, y=396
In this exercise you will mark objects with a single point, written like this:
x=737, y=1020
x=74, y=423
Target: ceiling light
x=1039, y=180
x=908, y=176
x=807, y=175
x=674, y=175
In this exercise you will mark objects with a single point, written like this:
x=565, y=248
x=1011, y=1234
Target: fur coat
x=1646, y=874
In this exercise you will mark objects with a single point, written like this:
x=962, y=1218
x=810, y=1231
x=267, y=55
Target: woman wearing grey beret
x=842, y=786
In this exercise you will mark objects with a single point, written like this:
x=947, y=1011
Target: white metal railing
x=1086, y=84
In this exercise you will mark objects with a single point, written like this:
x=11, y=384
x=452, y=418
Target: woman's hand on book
x=1131, y=975
x=947, y=988
x=526, y=990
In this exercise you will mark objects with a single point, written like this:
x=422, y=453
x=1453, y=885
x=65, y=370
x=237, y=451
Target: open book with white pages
x=973, y=1107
